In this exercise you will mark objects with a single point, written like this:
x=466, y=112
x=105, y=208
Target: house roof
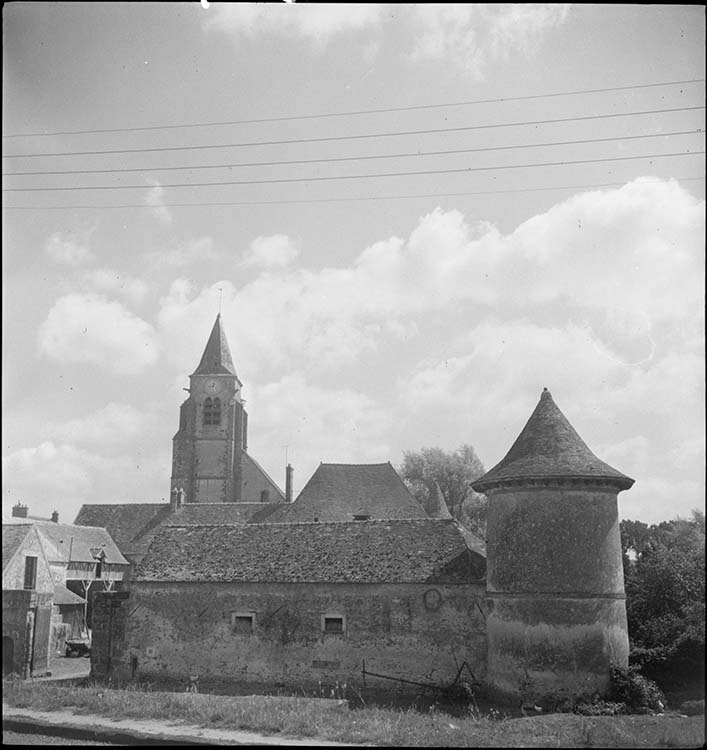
x=384, y=551
x=134, y=525
x=216, y=359
x=549, y=448
x=62, y=595
x=72, y=543
x=12, y=537
x=125, y=522
x=199, y=514
x=337, y=492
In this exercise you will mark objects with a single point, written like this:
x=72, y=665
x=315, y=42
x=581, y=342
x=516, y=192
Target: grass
x=333, y=721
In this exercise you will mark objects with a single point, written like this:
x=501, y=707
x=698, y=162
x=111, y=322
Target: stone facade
x=274, y=634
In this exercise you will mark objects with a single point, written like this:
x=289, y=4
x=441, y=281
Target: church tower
x=556, y=606
x=209, y=448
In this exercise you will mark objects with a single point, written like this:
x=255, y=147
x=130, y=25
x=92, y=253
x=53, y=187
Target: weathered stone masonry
x=414, y=631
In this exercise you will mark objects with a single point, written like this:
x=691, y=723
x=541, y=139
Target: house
x=27, y=598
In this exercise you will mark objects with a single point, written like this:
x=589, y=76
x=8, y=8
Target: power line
x=340, y=200
x=353, y=158
x=352, y=177
x=285, y=118
x=354, y=137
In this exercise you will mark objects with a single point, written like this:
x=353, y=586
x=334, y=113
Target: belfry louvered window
x=212, y=411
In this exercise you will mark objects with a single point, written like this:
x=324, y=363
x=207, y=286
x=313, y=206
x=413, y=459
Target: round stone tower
x=556, y=605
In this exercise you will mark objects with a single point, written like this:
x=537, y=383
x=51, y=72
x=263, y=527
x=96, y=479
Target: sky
x=426, y=214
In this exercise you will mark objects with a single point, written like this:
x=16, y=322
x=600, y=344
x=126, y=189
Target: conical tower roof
x=216, y=359
x=437, y=507
x=550, y=448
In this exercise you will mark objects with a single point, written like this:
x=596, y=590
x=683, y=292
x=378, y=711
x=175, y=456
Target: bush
x=630, y=687
x=692, y=708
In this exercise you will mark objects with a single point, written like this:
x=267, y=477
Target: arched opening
x=212, y=411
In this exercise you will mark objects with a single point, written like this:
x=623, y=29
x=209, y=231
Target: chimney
x=289, y=471
x=55, y=516
x=19, y=510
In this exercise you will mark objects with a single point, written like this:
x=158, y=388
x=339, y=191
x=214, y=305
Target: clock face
x=213, y=386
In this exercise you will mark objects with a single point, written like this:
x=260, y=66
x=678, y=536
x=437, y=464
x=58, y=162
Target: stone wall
x=416, y=632
x=557, y=610
x=18, y=624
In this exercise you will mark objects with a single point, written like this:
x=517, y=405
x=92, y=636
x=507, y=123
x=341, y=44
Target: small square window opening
x=243, y=623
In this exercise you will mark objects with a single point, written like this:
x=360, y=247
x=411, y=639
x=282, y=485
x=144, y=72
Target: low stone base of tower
x=551, y=648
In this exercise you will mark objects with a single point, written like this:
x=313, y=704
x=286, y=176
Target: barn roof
x=383, y=551
x=549, y=447
x=199, y=514
x=337, y=492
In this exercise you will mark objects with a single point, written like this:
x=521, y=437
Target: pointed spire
x=216, y=359
x=437, y=507
x=550, y=448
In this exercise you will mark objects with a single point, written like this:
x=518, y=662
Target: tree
x=453, y=471
x=664, y=572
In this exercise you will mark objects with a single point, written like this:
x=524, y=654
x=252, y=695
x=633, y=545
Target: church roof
x=549, y=448
x=216, y=359
x=337, y=492
x=398, y=551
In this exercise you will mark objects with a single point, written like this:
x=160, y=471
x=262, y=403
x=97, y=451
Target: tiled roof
x=62, y=595
x=199, y=514
x=71, y=543
x=125, y=522
x=410, y=551
x=216, y=359
x=134, y=525
x=12, y=537
x=549, y=448
x=337, y=492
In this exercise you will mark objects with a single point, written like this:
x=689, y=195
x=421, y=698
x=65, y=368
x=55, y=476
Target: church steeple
x=216, y=359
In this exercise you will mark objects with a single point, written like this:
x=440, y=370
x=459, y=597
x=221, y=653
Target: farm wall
x=416, y=632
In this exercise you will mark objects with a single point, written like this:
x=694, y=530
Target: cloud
x=198, y=250
x=316, y=424
x=274, y=251
x=114, y=424
x=112, y=281
x=607, y=261
x=69, y=249
x=316, y=23
x=155, y=198
x=62, y=476
x=88, y=328
x=474, y=35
